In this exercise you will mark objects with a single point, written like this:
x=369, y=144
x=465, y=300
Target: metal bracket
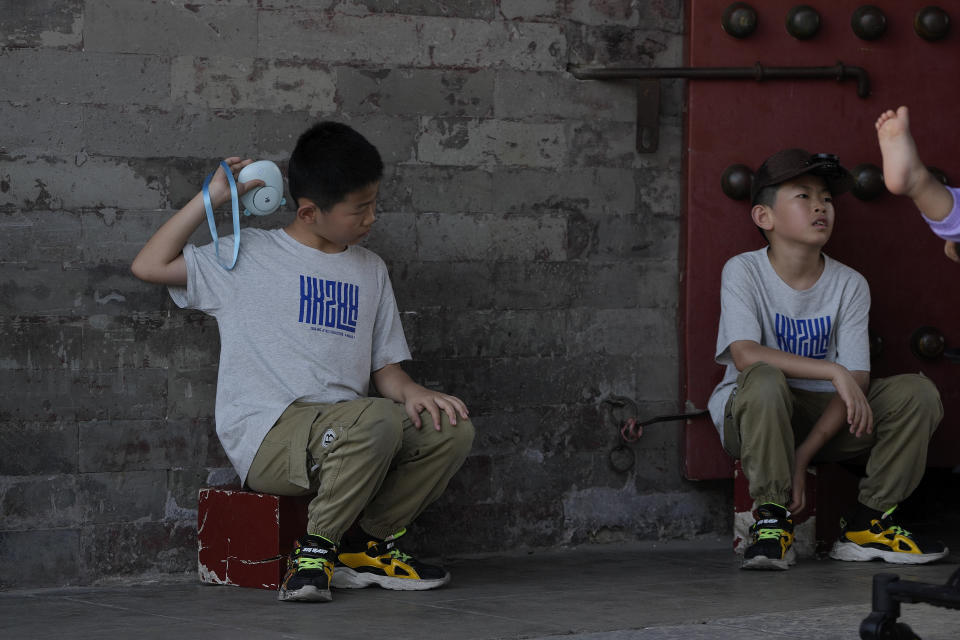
x=648, y=87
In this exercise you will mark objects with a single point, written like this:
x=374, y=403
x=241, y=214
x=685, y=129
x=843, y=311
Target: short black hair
x=330, y=161
x=767, y=196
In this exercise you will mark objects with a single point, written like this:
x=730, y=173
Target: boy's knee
x=911, y=401
x=453, y=440
x=382, y=425
x=922, y=393
x=461, y=436
x=761, y=381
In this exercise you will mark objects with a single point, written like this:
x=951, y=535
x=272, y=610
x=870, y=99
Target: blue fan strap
x=208, y=206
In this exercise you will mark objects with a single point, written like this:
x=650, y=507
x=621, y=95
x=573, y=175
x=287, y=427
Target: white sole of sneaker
x=763, y=563
x=852, y=552
x=306, y=593
x=347, y=578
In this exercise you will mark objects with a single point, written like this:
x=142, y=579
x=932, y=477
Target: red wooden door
x=744, y=121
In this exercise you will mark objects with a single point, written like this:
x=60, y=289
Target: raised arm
x=161, y=258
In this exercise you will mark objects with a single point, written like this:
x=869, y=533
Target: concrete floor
x=690, y=590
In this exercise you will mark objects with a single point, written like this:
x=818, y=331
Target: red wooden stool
x=244, y=537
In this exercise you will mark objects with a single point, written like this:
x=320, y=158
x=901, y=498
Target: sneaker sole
x=306, y=593
x=347, y=578
x=763, y=563
x=852, y=552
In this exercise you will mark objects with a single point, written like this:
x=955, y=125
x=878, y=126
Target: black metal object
x=632, y=429
x=931, y=23
x=736, y=181
x=803, y=22
x=739, y=20
x=927, y=343
x=648, y=115
x=648, y=91
x=939, y=175
x=889, y=591
x=868, y=181
x=868, y=22
x=757, y=72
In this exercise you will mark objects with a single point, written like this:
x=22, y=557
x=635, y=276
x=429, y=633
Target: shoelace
x=391, y=547
x=399, y=555
x=897, y=530
x=304, y=562
x=769, y=534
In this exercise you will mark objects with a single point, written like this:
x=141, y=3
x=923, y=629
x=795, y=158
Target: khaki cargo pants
x=765, y=420
x=363, y=456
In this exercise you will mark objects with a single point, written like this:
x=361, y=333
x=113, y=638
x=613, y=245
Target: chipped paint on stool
x=244, y=537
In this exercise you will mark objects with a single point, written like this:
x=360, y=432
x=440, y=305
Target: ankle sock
x=860, y=516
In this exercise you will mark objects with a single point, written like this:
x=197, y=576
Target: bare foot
x=903, y=171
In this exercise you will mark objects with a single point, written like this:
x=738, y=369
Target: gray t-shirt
x=828, y=321
x=295, y=324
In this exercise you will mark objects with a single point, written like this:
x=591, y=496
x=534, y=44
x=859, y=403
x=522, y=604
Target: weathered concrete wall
x=533, y=252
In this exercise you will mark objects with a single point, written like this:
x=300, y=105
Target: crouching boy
x=797, y=389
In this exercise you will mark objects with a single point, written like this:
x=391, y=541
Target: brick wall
x=534, y=256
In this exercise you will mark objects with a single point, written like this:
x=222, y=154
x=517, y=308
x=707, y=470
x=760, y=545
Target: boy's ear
x=762, y=216
x=307, y=211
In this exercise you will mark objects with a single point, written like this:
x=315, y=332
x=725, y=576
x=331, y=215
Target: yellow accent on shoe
x=885, y=541
x=383, y=565
x=894, y=537
x=393, y=563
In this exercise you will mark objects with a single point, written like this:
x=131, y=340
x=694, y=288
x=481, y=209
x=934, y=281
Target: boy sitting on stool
x=306, y=318
x=793, y=335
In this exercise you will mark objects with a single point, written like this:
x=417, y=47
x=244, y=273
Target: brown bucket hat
x=790, y=163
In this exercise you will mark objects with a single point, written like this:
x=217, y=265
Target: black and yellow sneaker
x=381, y=563
x=870, y=535
x=309, y=570
x=772, y=546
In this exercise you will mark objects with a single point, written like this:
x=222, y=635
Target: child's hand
x=859, y=413
x=220, y=187
x=434, y=402
x=950, y=248
x=798, y=495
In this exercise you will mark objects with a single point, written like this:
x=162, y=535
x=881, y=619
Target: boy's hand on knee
x=392, y=382
x=433, y=402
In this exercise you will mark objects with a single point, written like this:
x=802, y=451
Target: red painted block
x=244, y=537
x=703, y=454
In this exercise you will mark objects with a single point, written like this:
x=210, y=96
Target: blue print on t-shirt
x=809, y=337
x=329, y=303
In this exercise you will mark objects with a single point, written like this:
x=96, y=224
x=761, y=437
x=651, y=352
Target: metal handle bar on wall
x=648, y=90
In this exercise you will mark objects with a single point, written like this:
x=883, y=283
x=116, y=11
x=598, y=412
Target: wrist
x=838, y=370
